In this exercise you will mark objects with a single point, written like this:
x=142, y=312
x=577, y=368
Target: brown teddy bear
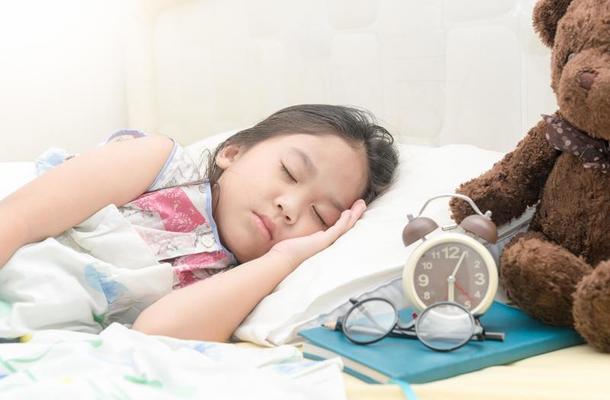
x=559, y=271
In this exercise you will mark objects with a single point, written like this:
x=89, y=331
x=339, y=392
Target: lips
x=265, y=224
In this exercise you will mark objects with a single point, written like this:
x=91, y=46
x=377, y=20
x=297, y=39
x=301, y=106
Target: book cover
x=410, y=361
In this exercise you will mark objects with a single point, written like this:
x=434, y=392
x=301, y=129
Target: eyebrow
x=313, y=170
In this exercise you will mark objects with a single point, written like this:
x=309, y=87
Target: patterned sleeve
x=179, y=168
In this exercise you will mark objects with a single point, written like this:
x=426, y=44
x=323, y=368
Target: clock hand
x=451, y=292
x=451, y=279
x=457, y=266
x=461, y=289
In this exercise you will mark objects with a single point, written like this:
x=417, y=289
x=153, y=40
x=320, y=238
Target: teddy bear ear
x=547, y=14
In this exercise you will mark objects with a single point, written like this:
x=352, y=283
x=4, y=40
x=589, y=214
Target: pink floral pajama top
x=174, y=216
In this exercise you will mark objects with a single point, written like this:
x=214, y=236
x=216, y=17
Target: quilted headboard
x=434, y=71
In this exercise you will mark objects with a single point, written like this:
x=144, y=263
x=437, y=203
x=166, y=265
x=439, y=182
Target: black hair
x=356, y=126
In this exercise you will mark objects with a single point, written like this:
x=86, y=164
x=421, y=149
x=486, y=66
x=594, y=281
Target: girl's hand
x=297, y=250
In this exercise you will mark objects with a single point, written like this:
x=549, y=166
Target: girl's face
x=284, y=187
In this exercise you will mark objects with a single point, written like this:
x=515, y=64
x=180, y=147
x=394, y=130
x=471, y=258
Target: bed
x=125, y=362
x=573, y=373
x=436, y=73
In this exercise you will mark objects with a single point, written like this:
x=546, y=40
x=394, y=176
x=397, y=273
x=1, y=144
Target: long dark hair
x=356, y=126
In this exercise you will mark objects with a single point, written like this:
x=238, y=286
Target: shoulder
x=138, y=142
x=180, y=166
x=130, y=134
x=120, y=144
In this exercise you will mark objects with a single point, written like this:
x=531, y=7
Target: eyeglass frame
x=410, y=330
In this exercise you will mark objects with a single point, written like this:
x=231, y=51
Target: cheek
x=229, y=202
x=305, y=227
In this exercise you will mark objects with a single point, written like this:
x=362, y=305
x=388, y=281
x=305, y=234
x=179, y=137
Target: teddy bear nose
x=585, y=79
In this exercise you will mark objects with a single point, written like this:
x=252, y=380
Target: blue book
x=408, y=360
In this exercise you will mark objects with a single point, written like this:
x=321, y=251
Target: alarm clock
x=452, y=264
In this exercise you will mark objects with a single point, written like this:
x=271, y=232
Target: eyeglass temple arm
x=499, y=336
x=411, y=334
x=481, y=333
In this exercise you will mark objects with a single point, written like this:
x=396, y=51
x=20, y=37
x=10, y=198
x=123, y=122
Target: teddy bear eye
x=569, y=57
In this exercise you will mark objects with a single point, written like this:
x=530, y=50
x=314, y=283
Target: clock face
x=451, y=271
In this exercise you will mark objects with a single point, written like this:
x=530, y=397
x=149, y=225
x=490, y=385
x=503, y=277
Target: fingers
x=344, y=221
x=320, y=240
x=357, y=210
x=349, y=217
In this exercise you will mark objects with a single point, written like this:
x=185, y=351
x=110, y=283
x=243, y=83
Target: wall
x=434, y=71
x=62, y=78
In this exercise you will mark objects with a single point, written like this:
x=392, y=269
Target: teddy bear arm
x=513, y=183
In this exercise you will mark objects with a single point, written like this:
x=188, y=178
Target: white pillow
x=369, y=258
x=365, y=261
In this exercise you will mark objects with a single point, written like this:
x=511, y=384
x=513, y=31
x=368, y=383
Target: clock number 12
x=451, y=252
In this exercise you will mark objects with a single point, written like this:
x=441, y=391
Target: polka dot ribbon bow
x=594, y=153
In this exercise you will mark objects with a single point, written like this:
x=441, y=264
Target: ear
x=547, y=14
x=227, y=155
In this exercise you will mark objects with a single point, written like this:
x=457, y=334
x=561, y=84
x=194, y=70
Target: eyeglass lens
x=369, y=321
x=444, y=326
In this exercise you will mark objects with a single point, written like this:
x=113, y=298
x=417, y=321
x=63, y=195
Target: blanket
x=95, y=273
x=122, y=363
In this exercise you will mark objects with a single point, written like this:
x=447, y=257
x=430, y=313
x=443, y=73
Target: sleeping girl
x=142, y=231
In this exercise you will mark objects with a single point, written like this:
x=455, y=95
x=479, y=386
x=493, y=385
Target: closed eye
x=288, y=174
x=319, y=217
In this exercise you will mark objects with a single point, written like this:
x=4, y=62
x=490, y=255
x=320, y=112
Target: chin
x=256, y=254
x=244, y=254
x=244, y=258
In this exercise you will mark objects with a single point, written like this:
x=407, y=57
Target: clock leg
x=540, y=277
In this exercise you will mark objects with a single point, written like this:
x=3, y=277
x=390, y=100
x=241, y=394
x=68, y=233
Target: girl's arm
x=115, y=173
x=213, y=308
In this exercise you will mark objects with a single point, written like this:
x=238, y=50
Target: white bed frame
x=434, y=71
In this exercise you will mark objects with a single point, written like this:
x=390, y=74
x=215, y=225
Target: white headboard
x=433, y=71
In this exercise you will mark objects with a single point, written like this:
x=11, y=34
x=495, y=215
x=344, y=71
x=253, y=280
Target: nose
x=586, y=78
x=287, y=210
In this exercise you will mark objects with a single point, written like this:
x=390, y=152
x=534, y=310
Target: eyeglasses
x=443, y=326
